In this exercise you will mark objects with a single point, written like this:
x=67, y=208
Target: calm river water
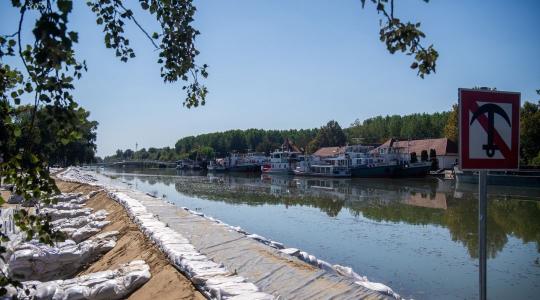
x=417, y=236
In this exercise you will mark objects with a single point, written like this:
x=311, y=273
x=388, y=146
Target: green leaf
x=17, y=132
x=65, y=6
x=74, y=36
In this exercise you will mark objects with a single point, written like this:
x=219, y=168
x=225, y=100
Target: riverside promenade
x=274, y=270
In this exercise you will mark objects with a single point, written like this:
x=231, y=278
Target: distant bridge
x=140, y=163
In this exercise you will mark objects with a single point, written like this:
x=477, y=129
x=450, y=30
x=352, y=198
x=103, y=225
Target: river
x=418, y=236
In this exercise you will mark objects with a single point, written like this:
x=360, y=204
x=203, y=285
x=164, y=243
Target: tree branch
x=132, y=17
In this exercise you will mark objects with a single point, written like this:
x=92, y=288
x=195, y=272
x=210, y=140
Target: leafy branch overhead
x=175, y=43
x=405, y=37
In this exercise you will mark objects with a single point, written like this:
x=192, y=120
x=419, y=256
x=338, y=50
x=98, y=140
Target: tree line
x=218, y=144
x=374, y=130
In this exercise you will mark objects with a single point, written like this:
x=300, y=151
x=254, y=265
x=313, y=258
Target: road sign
x=488, y=140
x=489, y=130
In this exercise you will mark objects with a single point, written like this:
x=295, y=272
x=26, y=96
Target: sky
x=285, y=64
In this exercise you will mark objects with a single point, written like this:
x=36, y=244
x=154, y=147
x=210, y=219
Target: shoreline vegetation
x=372, y=131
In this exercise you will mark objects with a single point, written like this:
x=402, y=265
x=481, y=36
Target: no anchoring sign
x=489, y=130
x=488, y=140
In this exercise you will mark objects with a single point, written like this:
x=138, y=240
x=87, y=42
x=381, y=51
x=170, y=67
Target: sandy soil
x=166, y=282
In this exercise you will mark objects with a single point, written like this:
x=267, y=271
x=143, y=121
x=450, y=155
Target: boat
x=522, y=177
x=284, y=160
x=235, y=162
x=217, y=165
x=329, y=167
x=366, y=163
x=188, y=164
x=413, y=169
x=389, y=160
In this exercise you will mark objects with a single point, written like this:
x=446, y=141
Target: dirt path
x=166, y=282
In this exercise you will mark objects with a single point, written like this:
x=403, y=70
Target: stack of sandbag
x=36, y=261
x=80, y=228
x=213, y=279
x=112, y=284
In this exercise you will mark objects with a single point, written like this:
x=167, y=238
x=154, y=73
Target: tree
x=451, y=127
x=128, y=154
x=328, y=136
x=530, y=131
x=50, y=67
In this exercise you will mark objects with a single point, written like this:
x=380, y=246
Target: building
x=326, y=152
x=446, y=151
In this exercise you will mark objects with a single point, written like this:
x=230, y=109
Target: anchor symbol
x=491, y=109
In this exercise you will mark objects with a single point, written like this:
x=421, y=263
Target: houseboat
x=235, y=162
x=188, y=164
x=284, y=160
x=330, y=167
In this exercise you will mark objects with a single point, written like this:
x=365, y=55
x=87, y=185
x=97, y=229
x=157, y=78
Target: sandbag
x=111, y=284
x=35, y=261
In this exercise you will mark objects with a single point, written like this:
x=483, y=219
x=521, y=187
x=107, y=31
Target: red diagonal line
x=482, y=119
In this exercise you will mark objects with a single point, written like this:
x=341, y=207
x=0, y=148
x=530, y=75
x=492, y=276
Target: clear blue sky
x=298, y=64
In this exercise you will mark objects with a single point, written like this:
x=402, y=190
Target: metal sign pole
x=482, y=230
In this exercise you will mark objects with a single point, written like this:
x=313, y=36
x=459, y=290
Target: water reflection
x=511, y=212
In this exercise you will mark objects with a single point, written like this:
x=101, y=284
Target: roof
x=289, y=146
x=442, y=146
x=329, y=151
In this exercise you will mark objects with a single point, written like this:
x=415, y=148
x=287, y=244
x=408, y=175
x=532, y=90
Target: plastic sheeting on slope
x=36, y=261
x=273, y=268
x=212, y=278
x=111, y=284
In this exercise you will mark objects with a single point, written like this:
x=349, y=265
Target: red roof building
x=445, y=150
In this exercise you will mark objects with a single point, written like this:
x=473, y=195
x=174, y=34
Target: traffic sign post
x=488, y=140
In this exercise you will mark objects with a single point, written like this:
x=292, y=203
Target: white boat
x=329, y=167
x=235, y=162
x=282, y=162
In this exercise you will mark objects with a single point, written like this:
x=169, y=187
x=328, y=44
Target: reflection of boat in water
x=525, y=178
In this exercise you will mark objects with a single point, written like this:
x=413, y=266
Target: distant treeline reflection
x=412, y=202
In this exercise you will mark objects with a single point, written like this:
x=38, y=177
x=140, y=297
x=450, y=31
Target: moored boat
x=331, y=167
x=284, y=160
x=235, y=162
x=410, y=169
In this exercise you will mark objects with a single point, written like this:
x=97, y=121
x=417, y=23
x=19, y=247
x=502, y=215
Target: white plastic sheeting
x=111, y=284
x=80, y=221
x=311, y=259
x=139, y=212
x=56, y=214
x=212, y=278
x=82, y=233
x=36, y=261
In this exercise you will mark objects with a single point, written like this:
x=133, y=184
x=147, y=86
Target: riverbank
x=225, y=260
x=166, y=282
